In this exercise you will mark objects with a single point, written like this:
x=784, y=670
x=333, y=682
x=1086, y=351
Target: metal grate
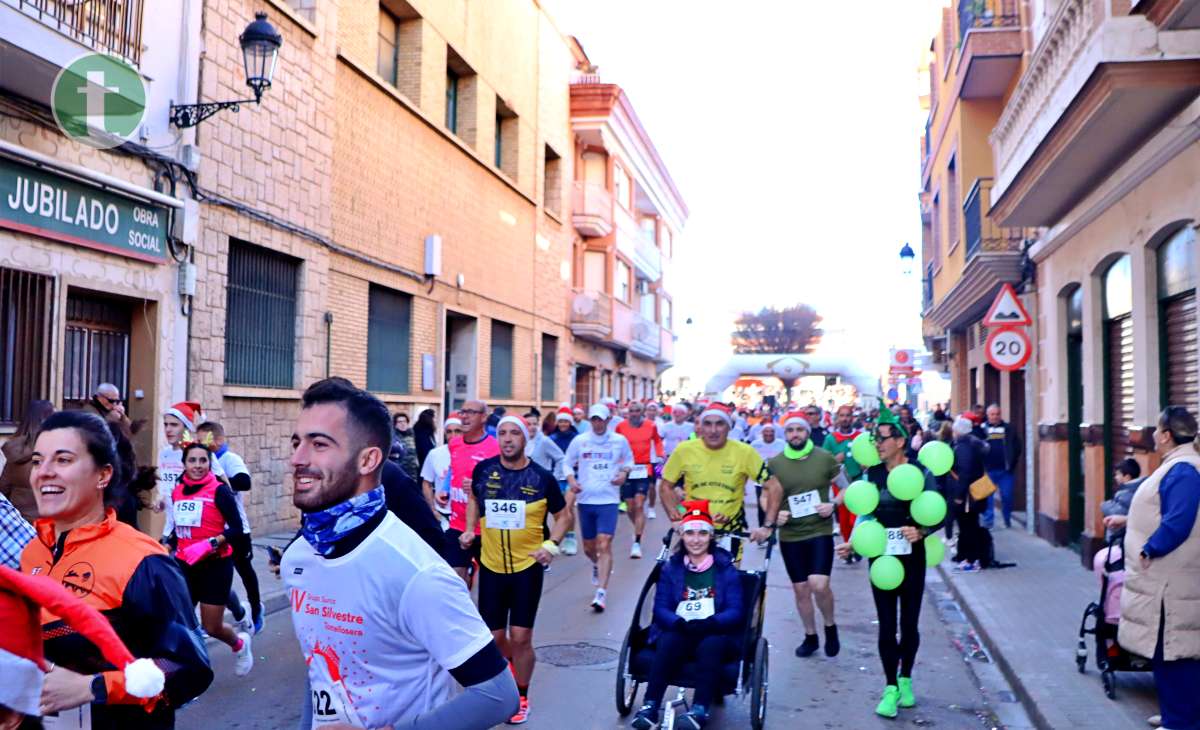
x=104, y=25
x=260, y=324
x=25, y=319
x=986, y=14
x=389, y=328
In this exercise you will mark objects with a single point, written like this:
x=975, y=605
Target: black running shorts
x=803, y=558
x=510, y=599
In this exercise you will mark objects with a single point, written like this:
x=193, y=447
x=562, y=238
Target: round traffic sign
x=1008, y=348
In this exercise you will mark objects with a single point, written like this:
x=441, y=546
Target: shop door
x=991, y=389
x=459, y=358
x=96, y=346
x=1181, y=357
x=1074, y=440
x=583, y=386
x=1015, y=416
x=1118, y=378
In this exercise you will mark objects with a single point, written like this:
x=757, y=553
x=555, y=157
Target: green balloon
x=869, y=539
x=928, y=509
x=887, y=573
x=861, y=498
x=862, y=448
x=937, y=457
x=905, y=482
x=935, y=550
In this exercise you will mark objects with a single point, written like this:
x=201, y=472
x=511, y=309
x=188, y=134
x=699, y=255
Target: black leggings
x=901, y=654
x=243, y=553
x=673, y=649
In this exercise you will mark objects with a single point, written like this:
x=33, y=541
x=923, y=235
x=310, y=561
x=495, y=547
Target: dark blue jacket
x=729, y=614
x=563, y=439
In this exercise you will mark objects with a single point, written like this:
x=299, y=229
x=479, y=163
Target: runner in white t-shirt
x=435, y=472
x=677, y=430
x=386, y=628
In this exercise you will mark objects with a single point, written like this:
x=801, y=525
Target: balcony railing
x=114, y=26
x=645, y=336
x=927, y=289
x=986, y=14
x=592, y=314
x=981, y=233
x=928, y=150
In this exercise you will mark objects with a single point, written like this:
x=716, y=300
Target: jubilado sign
x=50, y=205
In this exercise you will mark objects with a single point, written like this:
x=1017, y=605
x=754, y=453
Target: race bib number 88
x=897, y=543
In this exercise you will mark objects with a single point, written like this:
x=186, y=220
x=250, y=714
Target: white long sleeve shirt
x=594, y=462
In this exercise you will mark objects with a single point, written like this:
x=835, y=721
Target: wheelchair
x=747, y=676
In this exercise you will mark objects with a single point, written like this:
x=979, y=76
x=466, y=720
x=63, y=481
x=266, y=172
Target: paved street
x=573, y=685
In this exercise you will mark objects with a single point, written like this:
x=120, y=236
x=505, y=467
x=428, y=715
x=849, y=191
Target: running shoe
x=651, y=514
x=569, y=546
x=245, y=656
x=623, y=508
x=907, y=698
x=258, y=619
x=635, y=552
x=522, y=715
x=246, y=622
x=695, y=718
x=598, y=601
x=646, y=717
x=887, y=706
x=595, y=575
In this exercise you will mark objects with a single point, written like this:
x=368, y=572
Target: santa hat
x=681, y=407
x=514, y=420
x=22, y=663
x=717, y=409
x=798, y=418
x=186, y=411
x=453, y=421
x=696, y=516
x=564, y=414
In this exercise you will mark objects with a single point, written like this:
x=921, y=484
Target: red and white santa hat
x=564, y=414
x=797, y=418
x=717, y=409
x=189, y=412
x=696, y=516
x=514, y=420
x=22, y=663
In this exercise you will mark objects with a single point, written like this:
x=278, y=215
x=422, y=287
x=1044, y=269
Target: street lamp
x=907, y=256
x=260, y=52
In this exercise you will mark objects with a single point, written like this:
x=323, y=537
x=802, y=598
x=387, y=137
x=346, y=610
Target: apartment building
x=1098, y=147
x=628, y=214
x=973, y=63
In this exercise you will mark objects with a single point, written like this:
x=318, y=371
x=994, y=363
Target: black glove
x=679, y=625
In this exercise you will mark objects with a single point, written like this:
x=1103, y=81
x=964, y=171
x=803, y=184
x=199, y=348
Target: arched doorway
x=1119, y=414
x=1075, y=484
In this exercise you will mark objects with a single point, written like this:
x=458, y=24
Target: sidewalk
x=1028, y=618
x=274, y=594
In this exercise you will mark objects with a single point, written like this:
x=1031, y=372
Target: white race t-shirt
x=233, y=465
x=380, y=627
x=437, y=463
x=594, y=461
x=674, y=434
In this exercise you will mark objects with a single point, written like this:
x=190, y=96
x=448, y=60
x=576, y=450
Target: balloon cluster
x=907, y=484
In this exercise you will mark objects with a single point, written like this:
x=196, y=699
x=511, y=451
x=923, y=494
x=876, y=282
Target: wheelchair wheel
x=627, y=689
x=758, y=685
x=1109, y=678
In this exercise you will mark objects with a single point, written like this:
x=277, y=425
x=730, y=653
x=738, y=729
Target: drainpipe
x=328, y=340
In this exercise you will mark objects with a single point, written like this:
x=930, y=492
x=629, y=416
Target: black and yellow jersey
x=513, y=505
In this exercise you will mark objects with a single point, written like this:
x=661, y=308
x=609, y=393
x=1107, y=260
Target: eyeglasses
x=474, y=411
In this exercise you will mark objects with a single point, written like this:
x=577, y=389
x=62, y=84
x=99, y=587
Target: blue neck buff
x=323, y=529
x=221, y=451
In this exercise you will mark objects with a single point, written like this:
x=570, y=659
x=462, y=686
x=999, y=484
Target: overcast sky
x=791, y=128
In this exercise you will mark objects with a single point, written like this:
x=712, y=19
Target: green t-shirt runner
x=805, y=477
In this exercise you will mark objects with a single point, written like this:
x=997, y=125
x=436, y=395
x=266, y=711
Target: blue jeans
x=1004, y=490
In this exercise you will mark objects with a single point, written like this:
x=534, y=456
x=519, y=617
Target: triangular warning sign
x=1007, y=310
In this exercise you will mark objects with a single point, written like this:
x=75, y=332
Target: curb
x=1013, y=678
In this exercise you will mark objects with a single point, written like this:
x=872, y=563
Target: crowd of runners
x=414, y=602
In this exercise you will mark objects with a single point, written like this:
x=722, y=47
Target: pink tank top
x=463, y=458
x=196, y=515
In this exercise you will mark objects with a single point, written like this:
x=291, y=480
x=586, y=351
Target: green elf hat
x=886, y=416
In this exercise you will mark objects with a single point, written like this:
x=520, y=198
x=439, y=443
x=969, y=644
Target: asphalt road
x=573, y=686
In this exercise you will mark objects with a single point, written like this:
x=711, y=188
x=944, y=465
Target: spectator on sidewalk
x=18, y=455
x=404, y=447
x=15, y=534
x=1160, y=605
x=425, y=435
x=973, y=539
x=1004, y=451
x=1127, y=476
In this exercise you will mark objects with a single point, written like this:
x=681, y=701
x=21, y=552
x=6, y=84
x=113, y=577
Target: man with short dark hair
x=814, y=414
x=376, y=610
x=1003, y=454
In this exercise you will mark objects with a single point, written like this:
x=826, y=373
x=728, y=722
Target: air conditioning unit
x=433, y=255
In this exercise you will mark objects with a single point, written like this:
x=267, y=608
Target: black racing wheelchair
x=745, y=677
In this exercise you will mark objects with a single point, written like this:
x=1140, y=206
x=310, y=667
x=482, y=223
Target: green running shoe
x=907, y=699
x=887, y=704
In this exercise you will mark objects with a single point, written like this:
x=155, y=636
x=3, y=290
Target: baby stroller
x=1100, y=620
x=746, y=676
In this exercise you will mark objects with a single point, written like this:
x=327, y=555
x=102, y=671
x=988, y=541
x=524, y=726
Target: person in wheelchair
x=698, y=615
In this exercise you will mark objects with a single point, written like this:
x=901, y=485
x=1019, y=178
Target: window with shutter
x=389, y=332
x=260, y=317
x=25, y=319
x=1118, y=370
x=502, y=359
x=1179, y=357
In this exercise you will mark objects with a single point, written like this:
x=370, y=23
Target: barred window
x=549, y=359
x=25, y=318
x=502, y=359
x=260, y=318
x=389, y=329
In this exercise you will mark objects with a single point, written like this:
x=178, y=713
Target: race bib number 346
x=505, y=514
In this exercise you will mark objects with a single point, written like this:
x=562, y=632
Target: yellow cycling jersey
x=718, y=475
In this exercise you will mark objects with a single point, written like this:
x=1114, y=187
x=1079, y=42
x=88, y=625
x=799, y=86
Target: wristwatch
x=213, y=542
x=99, y=690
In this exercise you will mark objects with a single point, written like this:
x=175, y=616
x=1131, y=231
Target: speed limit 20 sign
x=1008, y=348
